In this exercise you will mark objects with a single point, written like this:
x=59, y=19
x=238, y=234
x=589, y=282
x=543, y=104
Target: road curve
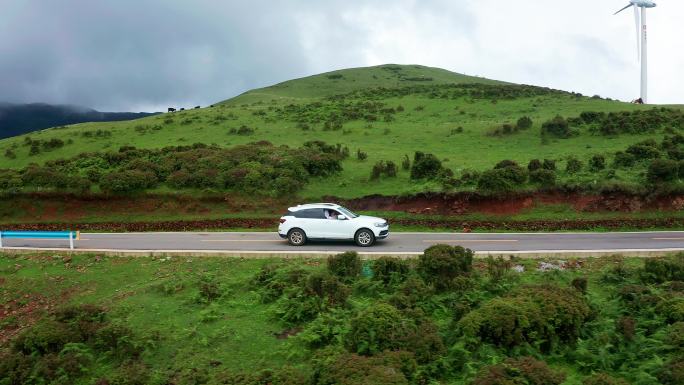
x=396, y=244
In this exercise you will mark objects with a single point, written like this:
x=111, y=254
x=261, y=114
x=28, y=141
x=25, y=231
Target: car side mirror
x=341, y=217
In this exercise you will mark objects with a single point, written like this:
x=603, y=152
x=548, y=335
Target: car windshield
x=350, y=214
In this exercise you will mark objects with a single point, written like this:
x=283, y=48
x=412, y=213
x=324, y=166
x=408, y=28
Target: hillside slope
x=388, y=113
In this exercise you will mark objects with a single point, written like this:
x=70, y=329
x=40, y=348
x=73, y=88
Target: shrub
x=573, y=166
x=660, y=270
x=549, y=164
x=346, y=266
x=534, y=165
x=603, y=379
x=406, y=163
x=378, y=328
x=644, y=150
x=440, y=264
x=672, y=373
x=425, y=166
x=524, y=370
x=524, y=123
x=540, y=316
x=209, y=288
x=505, y=164
x=123, y=182
x=580, y=284
x=390, y=270
x=627, y=327
x=390, y=368
x=494, y=181
x=282, y=376
x=45, y=337
x=558, y=127
x=663, y=170
x=597, y=163
x=119, y=341
x=545, y=178
x=9, y=154
x=497, y=268
x=672, y=309
x=624, y=159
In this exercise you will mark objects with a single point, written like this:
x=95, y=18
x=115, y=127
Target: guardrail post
x=71, y=240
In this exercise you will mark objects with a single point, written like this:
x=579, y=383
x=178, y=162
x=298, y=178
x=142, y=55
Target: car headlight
x=381, y=224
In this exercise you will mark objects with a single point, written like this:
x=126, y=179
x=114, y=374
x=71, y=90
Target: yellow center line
x=469, y=240
x=240, y=240
x=668, y=239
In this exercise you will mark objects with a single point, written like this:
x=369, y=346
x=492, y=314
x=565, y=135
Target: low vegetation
x=444, y=318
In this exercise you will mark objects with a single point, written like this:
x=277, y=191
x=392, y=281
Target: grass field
x=294, y=112
x=206, y=321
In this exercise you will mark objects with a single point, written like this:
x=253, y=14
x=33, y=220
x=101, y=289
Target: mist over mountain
x=18, y=119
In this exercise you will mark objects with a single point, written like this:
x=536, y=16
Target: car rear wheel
x=364, y=238
x=296, y=237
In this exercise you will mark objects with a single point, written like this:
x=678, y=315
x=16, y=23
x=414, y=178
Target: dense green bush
x=549, y=164
x=390, y=270
x=597, y=163
x=534, y=165
x=440, y=264
x=540, y=316
x=663, y=170
x=672, y=373
x=573, y=165
x=378, y=328
x=282, y=376
x=425, y=166
x=644, y=150
x=672, y=309
x=390, y=368
x=660, y=270
x=514, y=371
x=524, y=123
x=558, y=127
x=623, y=160
x=603, y=379
x=346, y=266
x=123, y=182
x=545, y=178
x=61, y=348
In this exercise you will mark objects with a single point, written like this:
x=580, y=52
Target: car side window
x=311, y=214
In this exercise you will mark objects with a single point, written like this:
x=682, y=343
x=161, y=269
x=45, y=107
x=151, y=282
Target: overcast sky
x=137, y=55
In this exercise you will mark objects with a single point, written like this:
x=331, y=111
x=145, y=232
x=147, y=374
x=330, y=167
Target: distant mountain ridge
x=19, y=119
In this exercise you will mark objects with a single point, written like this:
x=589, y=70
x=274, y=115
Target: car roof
x=314, y=206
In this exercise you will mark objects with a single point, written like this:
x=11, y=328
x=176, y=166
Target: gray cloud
x=147, y=54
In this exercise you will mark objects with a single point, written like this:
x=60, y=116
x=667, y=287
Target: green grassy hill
x=387, y=112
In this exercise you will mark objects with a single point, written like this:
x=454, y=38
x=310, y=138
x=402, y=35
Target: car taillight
x=282, y=220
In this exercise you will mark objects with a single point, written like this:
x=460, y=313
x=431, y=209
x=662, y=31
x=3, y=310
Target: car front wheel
x=296, y=237
x=364, y=238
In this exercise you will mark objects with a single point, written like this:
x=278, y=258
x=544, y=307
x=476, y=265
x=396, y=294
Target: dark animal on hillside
x=182, y=109
x=197, y=107
x=172, y=109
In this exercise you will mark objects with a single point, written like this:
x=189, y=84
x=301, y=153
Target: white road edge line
x=395, y=232
x=481, y=252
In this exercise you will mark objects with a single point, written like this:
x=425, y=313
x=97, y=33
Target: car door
x=338, y=228
x=312, y=222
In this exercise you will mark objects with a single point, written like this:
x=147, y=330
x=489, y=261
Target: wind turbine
x=642, y=41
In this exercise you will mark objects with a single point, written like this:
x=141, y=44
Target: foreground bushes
x=61, y=348
x=525, y=370
x=541, y=316
x=440, y=264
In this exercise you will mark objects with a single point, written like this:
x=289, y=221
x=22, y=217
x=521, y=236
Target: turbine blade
x=637, y=23
x=628, y=5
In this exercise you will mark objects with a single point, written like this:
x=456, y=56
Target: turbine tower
x=642, y=40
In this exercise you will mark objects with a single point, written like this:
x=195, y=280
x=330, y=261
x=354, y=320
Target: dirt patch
x=288, y=332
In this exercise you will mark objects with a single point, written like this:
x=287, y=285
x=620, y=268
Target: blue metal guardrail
x=70, y=235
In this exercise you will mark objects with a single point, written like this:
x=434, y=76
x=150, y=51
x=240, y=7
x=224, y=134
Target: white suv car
x=328, y=221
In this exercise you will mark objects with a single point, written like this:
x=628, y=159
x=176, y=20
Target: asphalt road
x=396, y=243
